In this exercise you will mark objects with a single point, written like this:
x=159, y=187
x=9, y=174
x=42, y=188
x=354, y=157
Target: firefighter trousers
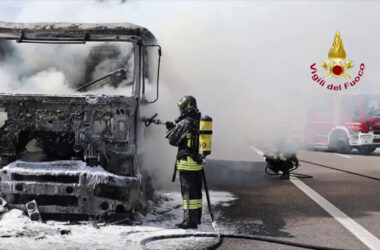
x=191, y=189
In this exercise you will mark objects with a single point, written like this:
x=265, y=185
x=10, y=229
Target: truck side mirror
x=151, y=68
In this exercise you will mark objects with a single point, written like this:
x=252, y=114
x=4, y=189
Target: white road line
x=258, y=151
x=345, y=156
x=360, y=232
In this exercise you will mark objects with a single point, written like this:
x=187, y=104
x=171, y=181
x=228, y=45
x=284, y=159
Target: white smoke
x=246, y=62
x=45, y=82
x=59, y=69
x=31, y=68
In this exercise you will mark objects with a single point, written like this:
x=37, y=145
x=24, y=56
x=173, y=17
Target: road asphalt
x=279, y=209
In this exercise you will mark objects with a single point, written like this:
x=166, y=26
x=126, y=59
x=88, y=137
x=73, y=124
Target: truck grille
x=46, y=178
x=46, y=200
x=67, y=187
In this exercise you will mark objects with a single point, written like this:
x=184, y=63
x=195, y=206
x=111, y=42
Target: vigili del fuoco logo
x=337, y=68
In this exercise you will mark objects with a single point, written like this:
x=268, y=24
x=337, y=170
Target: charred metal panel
x=88, y=149
x=99, y=130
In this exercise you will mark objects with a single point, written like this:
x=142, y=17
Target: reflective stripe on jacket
x=188, y=165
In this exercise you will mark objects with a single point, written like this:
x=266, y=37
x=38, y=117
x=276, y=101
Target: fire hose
x=342, y=170
x=145, y=241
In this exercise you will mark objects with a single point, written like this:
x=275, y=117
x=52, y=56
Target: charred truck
x=79, y=154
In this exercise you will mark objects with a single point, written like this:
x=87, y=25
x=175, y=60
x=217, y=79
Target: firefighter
x=284, y=160
x=184, y=135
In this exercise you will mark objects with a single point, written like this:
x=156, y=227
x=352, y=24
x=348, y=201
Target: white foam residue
x=95, y=174
x=54, y=167
x=18, y=232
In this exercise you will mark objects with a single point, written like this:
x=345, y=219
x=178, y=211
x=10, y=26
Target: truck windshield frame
x=81, y=33
x=134, y=51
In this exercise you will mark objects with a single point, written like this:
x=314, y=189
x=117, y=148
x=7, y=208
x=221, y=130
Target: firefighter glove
x=169, y=125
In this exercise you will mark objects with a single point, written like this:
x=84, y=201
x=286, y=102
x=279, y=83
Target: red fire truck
x=344, y=122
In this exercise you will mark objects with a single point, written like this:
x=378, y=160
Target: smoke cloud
x=59, y=69
x=246, y=62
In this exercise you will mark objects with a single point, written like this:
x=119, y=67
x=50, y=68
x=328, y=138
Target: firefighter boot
x=187, y=225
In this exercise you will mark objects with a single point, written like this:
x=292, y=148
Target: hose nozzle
x=148, y=121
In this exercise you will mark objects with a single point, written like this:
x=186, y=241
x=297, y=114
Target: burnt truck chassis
x=89, y=163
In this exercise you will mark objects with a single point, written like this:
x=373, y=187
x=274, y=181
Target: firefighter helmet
x=187, y=104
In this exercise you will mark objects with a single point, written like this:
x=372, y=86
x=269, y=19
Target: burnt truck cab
x=76, y=154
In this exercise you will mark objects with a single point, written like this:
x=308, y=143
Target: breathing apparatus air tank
x=205, y=135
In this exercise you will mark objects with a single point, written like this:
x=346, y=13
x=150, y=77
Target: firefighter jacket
x=283, y=161
x=185, y=136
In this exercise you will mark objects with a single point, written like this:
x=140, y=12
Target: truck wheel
x=339, y=141
x=366, y=150
x=342, y=145
x=147, y=192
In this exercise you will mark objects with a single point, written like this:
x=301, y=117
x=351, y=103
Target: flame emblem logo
x=337, y=65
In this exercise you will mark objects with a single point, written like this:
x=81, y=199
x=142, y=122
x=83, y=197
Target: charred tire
x=4, y=161
x=366, y=150
x=147, y=192
x=339, y=142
